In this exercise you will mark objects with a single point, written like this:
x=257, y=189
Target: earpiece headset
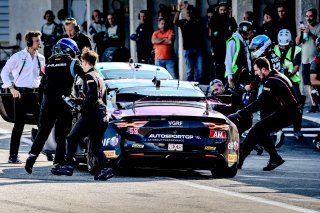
x=29, y=41
x=142, y=11
x=49, y=12
x=74, y=22
x=97, y=11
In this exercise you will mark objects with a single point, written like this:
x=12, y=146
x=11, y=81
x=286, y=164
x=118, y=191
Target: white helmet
x=284, y=37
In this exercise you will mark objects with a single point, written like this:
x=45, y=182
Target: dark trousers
x=58, y=114
x=260, y=132
x=302, y=99
x=21, y=106
x=90, y=124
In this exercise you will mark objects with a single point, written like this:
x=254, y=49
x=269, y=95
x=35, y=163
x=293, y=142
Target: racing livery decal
x=217, y=134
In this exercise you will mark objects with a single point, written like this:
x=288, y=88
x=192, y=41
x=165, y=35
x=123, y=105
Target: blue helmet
x=259, y=46
x=66, y=46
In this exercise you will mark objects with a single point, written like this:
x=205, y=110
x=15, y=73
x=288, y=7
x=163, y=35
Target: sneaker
x=30, y=162
x=104, y=174
x=279, y=139
x=313, y=109
x=14, y=159
x=273, y=164
x=298, y=135
x=316, y=142
x=62, y=170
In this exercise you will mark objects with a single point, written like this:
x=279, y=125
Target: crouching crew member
x=277, y=89
x=57, y=80
x=92, y=122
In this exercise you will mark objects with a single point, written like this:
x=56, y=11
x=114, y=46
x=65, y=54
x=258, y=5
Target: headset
x=143, y=11
x=29, y=41
x=28, y=37
x=74, y=22
x=49, y=12
x=97, y=11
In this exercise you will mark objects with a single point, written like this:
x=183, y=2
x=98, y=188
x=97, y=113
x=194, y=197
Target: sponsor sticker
x=217, y=134
x=210, y=148
x=110, y=153
x=233, y=146
x=168, y=138
x=175, y=123
x=138, y=146
x=175, y=147
x=232, y=158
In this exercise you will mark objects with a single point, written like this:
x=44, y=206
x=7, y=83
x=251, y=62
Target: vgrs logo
x=175, y=123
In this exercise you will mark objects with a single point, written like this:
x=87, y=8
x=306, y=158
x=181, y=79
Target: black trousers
x=21, y=106
x=53, y=113
x=90, y=124
x=260, y=132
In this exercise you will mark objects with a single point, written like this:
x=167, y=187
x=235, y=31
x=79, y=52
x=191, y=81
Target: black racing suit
x=278, y=90
x=91, y=122
x=57, y=80
x=82, y=41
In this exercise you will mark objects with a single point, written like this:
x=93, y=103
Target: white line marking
x=314, y=119
x=303, y=129
x=7, y=134
x=304, y=134
x=275, y=177
x=244, y=196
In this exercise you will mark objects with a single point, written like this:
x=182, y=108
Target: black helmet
x=245, y=27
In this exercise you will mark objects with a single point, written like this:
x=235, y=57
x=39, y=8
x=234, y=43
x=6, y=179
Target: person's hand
x=234, y=117
x=231, y=84
x=15, y=93
x=247, y=88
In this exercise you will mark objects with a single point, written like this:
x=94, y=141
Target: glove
x=234, y=117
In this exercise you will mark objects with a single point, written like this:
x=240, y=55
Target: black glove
x=234, y=117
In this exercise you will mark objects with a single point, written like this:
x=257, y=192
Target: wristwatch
x=11, y=87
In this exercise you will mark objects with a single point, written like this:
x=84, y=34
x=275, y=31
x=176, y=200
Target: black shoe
x=62, y=170
x=30, y=162
x=273, y=164
x=14, y=159
x=104, y=174
x=313, y=109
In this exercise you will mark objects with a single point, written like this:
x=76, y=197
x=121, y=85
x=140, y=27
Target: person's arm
x=11, y=64
x=91, y=96
x=296, y=63
x=231, y=49
x=156, y=40
x=314, y=72
x=299, y=36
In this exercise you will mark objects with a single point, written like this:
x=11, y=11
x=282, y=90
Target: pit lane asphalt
x=293, y=187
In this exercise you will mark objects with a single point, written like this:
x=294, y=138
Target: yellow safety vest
x=288, y=61
x=234, y=66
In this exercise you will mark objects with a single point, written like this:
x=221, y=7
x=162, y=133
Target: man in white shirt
x=25, y=67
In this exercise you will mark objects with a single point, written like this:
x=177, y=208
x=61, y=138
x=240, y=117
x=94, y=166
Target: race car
x=169, y=124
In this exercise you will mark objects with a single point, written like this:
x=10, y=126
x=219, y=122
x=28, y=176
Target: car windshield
x=131, y=74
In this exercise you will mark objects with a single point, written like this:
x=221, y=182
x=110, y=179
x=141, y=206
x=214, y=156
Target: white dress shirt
x=30, y=73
